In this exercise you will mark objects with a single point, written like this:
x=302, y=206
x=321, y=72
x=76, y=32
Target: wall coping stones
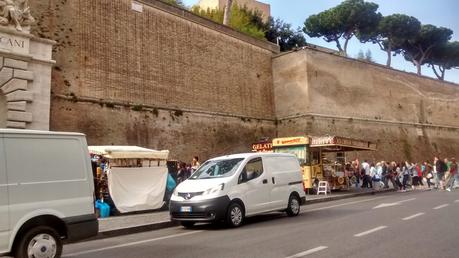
x=337, y=55
x=187, y=15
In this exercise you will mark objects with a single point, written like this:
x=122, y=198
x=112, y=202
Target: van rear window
x=44, y=159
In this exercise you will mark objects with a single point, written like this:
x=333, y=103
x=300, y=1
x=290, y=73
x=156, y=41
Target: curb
x=168, y=224
x=338, y=197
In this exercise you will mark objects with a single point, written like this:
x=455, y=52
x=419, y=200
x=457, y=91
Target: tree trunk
x=338, y=45
x=345, y=45
x=389, y=56
x=441, y=76
x=227, y=14
x=418, y=66
x=442, y=70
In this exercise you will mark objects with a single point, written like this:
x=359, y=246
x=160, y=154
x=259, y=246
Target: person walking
x=452, y=174
x=195, y=163
x=406, y=175
x=366, y=175
x=392, y=170
x=355, y=166
x=376, y=176
x=428, y=173
x=441, y=168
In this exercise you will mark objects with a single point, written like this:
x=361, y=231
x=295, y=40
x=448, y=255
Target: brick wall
x=107, y=50
x=142, y=71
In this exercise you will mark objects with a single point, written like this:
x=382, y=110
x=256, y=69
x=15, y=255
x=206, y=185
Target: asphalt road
x=414, y=224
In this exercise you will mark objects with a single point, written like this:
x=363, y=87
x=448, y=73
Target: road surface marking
x=130, y=244
x=456, y=201
x=308, y=252
x=370, y=231
x=383, y=205
x=414, y=216
x=407, y=200
x=342, y=204
x=441, y=206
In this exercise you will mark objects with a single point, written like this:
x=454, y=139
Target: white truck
x=46, y=192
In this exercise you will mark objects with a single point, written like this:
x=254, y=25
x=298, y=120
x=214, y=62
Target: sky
x=436, y=12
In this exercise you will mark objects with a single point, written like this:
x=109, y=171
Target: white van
x=233, y=187
x=46, y=192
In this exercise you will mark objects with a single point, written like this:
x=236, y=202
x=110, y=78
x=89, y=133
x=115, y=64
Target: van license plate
x=185, y=209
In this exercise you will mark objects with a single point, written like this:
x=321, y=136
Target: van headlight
x=214, y=189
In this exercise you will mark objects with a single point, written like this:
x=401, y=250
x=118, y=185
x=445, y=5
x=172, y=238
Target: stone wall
x=409, y=116
x=159, y=57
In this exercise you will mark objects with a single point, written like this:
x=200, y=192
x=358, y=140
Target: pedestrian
x=392, y=170
x=366, y=175
x=399, y=176
x=182, y=173
x=428, y=170
x=195, y=163
x=384, y=174
x=406, y=175
x=452, y=173
x=441, y=168
x=376, y=173
x=356, y=168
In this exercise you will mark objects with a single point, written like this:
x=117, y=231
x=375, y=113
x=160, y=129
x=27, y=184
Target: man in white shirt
x=366, y=177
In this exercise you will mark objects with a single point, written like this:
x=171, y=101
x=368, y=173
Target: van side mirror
x=242, y=177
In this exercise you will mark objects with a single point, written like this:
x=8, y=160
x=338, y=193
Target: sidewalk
x=129, y=224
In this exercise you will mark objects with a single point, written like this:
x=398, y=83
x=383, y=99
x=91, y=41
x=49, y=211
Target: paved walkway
x=125, y=224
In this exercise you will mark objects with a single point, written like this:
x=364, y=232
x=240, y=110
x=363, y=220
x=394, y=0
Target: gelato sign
x=14, y=43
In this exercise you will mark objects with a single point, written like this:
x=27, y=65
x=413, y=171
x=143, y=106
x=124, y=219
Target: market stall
x=332, y=151
x=134, y=178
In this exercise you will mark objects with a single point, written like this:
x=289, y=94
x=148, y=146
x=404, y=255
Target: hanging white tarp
x=128, y=152
x=137, y=189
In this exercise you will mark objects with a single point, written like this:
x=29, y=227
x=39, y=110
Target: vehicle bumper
x=203, y=210
x=81, y=227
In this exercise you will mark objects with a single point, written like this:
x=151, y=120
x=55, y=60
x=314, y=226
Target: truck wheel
x=293, y=207
x=40, y=241
x=235, y=215
x=187, y=224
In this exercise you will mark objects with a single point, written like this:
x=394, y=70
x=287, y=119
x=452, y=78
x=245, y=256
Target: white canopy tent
x=128, y=152
x=134, y=188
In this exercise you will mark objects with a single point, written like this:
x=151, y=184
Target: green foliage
x=347, y=19
x=178, y=3
x=419, y=49
x=444, y=57
x=288, y=38
x=242, y=19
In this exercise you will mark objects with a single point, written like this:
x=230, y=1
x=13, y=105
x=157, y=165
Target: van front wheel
x=293, y=207
x=41, y=241
x=235, y=215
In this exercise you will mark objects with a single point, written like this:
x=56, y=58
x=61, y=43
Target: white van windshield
x=217, y=168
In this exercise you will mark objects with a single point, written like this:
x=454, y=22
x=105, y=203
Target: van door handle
x=265, y=181
x=274, y=181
